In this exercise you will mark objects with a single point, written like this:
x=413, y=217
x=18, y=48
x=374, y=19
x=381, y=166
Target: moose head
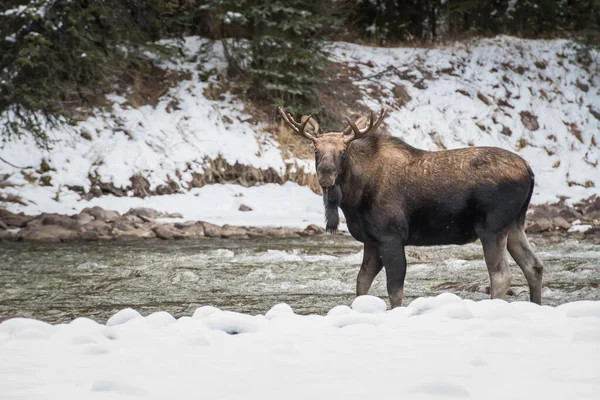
x=330, y=147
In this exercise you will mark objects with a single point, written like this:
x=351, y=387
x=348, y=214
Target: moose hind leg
x=533, y=269
x=370, y=267
x=394, y=261
x=494, y=251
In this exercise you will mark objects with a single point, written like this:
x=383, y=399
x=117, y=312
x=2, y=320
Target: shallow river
x=60, y=282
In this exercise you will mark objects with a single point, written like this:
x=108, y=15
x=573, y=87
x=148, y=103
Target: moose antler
x=296, y=126
x=372, y=127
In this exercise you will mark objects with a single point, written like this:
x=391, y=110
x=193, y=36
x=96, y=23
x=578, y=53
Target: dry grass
x=574, y=130
x=303, y=179
x=139, y=88
x=12, y=198
x=4, y=182
x=292, y=144
x=147, y=88
x=9, y=197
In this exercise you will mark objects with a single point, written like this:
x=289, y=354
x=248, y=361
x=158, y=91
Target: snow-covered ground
x=287, y=205
x=436, y=348
x=172, y=142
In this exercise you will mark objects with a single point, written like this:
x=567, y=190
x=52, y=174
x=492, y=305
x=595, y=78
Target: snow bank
x=424, y=351
x=273, y=205
x=470, y=93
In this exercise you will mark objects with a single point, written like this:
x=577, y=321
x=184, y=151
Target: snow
x=580, y=228
x=368, y=304
x=273, y=205
x=441, y=114
x=423, y=351
x=173, y=140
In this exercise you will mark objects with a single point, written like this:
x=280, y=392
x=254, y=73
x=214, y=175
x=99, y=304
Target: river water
x=58, y=283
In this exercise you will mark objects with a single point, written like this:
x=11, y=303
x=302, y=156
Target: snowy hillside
x=523, y=95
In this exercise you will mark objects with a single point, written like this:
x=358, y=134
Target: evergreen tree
x=274, y=49
x=58, y=54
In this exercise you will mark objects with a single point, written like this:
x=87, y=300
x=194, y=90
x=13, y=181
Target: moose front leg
x=394, y=261
x=370, y=267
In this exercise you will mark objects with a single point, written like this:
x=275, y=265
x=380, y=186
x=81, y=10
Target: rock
x=506, y=131
x=6, y=236
x=124, y=225
x=3, y=225
x=401, y=95
x=83, y=218
x=314, y=228
x=484, y=99
x=145, y=212
x=100, y=227
x=280, y=232
x=543, y=211
x=582, y=86
x=186, y=224
x=88, y=236
x=561, y=223
x=139, y=233
x=256, y=233
x=595, y=114
x=60, y=220
x=593, y=206
x=191, y=230
x=596, y=222
x=6, y=213
x=16, y=220
x=133, y=219
x=570, y=214
x=244, y=207
x=529, y=121
x=211, y=230
x=542, y=225
x=228, y=231
x=595, y=231
x=166, y=233
x=101, y=214
x=47, y=234
x=140, y=186
x=175, y=215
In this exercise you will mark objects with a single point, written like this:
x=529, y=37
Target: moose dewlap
x=394, y=195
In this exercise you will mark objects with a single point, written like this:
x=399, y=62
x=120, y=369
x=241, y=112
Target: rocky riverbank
x=555, y=219
x=94, y=224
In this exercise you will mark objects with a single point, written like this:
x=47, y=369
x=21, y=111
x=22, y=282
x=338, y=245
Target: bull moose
x=394, y=195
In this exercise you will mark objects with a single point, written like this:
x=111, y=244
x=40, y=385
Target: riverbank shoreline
x=580, y=220
x=97, y=224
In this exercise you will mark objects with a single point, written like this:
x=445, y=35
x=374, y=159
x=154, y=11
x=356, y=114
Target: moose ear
x=312, y=127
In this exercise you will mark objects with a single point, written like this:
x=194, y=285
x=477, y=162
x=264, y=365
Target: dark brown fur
x=394, y=195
